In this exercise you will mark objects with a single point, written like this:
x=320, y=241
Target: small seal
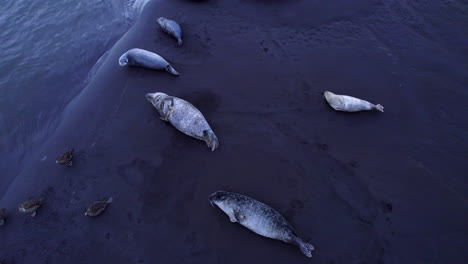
x=259, y=218
x=97, y=207
x=2, y=216
x=66, y=158
x=172, y=28
x=30, y=207
x=185, y=117
x=146, y=59
x=349, y=104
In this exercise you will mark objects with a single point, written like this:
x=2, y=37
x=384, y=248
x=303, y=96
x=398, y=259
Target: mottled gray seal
x=349, y=104
x=97, y=207
x=259, y=218
x=172, y=28
x=30, y=207
x=184, y=116
x=146, y=59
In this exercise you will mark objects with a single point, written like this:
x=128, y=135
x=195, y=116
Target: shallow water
x=48, y=50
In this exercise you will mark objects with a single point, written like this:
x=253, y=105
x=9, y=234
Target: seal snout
x=216, y=197
x=149, y=97
x=123, y=60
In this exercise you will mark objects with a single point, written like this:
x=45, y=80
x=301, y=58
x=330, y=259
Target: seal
x=259, y=218
x=349, y=104
x=172, y=28
x=146, y=59
x=30, y=207
x=97, y=207
x=184, y=116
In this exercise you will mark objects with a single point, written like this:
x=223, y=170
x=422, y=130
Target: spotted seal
x=349, y=104
x=259, y=218
x=172, y=28
x=184, y=116
x=146, y=59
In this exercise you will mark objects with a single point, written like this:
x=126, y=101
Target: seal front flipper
x=239, y=217
x=210, y=139
x=167, y=106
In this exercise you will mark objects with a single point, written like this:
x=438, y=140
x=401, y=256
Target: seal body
x=259, y=218
x=184, y=116
x=349, y=104
x=172, y=28
x=146, y=59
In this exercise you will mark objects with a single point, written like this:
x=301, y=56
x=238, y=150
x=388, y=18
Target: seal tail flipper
x=305, y=248
x=210, y=139
x=378, y=107
x=180, y=42
x=171, y=70
x=2, y=222
x=109, y=200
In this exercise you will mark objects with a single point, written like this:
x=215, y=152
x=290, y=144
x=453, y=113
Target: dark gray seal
x=146, y=59
x=349, y=104
x=259, y=218
x=184, y=116
x=172, y=28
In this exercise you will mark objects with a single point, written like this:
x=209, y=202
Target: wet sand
x=362, y=188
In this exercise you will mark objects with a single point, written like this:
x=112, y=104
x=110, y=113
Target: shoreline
x=366, y=187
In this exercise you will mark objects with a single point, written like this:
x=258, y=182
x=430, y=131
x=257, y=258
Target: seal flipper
x=239, y=217
x=305, y=248
x=378, y=107
x=166, y=109
x=180, y=42
x=210, y=139
x=232, y=218
x=171, y=70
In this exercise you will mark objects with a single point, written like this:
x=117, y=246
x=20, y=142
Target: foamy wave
x=133, y=8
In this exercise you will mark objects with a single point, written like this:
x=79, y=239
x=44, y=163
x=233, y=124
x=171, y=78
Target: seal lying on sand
x=259, y=218
x=349, y=104
x=146, y=59
x=30, y=207
x=172, y=28
x=184, y=116
x=97, y=207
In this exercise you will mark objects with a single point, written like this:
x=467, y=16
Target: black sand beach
x=367, y=187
